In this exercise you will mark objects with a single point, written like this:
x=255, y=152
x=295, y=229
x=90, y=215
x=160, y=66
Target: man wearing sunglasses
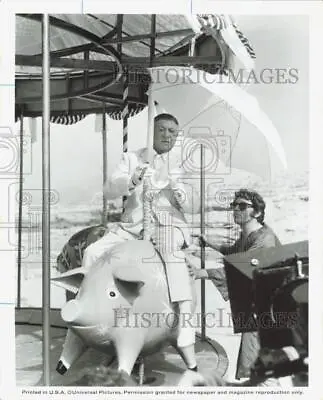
x=249, y=212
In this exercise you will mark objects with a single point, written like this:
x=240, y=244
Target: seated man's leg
x=180, y=289
x=93, y=252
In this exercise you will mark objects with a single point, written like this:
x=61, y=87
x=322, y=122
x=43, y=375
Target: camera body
x=268, y=291
x=281, y=303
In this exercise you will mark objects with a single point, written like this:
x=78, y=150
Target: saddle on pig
x=122, y=306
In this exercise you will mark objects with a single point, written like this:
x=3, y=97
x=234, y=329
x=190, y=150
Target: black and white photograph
x=162, y=204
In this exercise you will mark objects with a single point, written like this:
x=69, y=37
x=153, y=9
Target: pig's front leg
x=73, y=348
x=129, y=342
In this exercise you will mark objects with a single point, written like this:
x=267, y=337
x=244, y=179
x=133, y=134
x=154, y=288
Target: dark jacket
x=249, y=346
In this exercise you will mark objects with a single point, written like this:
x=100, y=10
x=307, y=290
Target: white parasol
x=212, y=103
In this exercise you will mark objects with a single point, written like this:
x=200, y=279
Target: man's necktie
x=161, y=168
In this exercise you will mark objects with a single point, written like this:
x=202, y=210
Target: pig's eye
x=112, y=294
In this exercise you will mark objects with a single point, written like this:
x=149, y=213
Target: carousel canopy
x=99, y=62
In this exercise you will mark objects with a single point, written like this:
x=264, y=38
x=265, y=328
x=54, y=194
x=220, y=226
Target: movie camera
x=268, y=290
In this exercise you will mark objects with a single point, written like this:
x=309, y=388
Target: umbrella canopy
x=213, y=110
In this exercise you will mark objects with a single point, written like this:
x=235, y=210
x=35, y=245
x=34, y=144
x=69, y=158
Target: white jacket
x=173, y=201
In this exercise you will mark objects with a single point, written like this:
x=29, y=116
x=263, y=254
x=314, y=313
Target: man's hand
x=201, y=240
x=197, y=273
x=204, y=242
x=192, y=271
x=194, y=267
x=178, y=192
x=139, y=173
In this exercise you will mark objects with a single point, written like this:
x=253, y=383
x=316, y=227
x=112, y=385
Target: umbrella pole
x=150, y=138
x=150, y=132
x=202, y=227
x=46, y=200
x=21, y=174
x=146, y=182
x=104, y=157
x=151, y=106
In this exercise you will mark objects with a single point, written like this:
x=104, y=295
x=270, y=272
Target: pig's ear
x=70, y=280
x=129, y=281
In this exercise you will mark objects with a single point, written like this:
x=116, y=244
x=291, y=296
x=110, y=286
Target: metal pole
x=125, y=117
x=202, y=222
x=21, y=174
x=45, y=200
x=147, y=203
x=147, y=225
x=125, y=95
x=125, y=111
x=152, y=40
x=104, y=149
x=150, y=130
x=151, y=105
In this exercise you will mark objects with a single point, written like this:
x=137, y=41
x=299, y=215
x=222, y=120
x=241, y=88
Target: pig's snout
x=71, y=312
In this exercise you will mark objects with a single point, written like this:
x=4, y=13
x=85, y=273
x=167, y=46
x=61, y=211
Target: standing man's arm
x=216, y=275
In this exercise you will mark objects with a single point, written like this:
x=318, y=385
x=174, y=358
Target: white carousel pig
x=122, y=306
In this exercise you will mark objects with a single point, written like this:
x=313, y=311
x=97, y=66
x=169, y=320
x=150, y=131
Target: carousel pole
x=125, y=111
x=147, y=199
x=21, y=174
x=46, y=199
x=202, y=227
x=146, y=181
x=202, y=211
x=125, y=116
x=150, y=138
x=125, y=95
x=105, y=163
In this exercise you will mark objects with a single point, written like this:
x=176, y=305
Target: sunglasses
x=241, y=205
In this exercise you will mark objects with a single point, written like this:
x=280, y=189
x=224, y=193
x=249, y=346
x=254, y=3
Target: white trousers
x=177, y=273
x=93, y=252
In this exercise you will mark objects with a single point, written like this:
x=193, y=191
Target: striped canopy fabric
x=223, y=26
x=244, y=41
x=220, y=23
x=118, y=114
x=67, y=119
x=115, y=114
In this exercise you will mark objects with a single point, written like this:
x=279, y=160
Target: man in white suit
x=172, y=198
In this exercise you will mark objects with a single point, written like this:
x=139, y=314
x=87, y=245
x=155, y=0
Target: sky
x=279, y=42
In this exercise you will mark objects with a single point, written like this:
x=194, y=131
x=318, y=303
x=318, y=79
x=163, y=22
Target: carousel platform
x=165, y=367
